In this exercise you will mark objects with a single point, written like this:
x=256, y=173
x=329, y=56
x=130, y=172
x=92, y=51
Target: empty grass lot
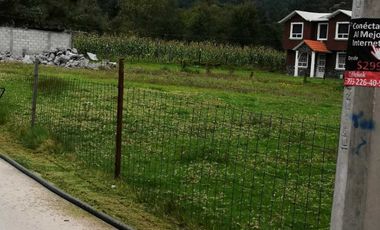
x=225, y=149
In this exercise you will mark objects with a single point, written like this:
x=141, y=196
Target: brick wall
x=19, y=41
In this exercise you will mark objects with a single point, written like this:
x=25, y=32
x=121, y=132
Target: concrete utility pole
x=357, y=188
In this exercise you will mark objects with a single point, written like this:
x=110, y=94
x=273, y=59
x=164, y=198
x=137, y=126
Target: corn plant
x=175, y=52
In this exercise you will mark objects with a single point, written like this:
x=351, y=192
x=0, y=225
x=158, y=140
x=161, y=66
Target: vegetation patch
x=52, y=86
x=33, y=137
x=206, y=54
x=217, y=149
x=4, y=112
x=97, y=189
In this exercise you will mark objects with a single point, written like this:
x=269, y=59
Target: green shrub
x=33, y=137
x=4, y=112
x=51, y=86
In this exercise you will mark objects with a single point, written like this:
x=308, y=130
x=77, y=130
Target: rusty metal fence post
x=119, y=120
x=35, y=93
x=2, y=91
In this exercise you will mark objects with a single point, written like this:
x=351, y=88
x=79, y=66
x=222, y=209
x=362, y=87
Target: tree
x=21, y=13
x=53, y=14
x=109, y=7
x=86, y=15
x=205, y=21
x=243, y=25
x=155, y=18
x=237, y=21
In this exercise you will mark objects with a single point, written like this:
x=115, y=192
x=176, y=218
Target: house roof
x=315, y=17
x=346, y=12
x=308, y=16
x=316, y=46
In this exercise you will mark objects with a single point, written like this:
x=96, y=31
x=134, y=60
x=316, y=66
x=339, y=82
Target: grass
x=33, y=137
x=271, y=93
x=4, y=114
x=97, y=189
x=247, y=149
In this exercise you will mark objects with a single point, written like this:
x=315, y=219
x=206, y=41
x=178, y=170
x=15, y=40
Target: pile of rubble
x=9, y=57
x=68, y=58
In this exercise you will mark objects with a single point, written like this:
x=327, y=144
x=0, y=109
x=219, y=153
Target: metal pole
x=199, y=56
x=357, y=188
x=119, y=129
x=35, y=93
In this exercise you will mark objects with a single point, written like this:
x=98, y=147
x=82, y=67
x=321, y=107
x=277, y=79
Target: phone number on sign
x=362, y=82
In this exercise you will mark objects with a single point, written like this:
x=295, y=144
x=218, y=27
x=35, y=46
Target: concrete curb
x=106, y=218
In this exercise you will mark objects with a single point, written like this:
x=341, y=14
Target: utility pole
x=357, y=187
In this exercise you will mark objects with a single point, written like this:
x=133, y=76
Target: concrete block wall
x=62, y=40
x=29, y=41
x=5, y=39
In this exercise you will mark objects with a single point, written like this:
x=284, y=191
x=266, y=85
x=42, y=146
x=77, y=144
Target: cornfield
x=177, y=52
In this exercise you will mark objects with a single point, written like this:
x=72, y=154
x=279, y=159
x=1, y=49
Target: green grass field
x=221, y=150
x=271, y=93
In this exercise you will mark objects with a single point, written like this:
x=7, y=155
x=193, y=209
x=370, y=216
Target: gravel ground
x=25, y=204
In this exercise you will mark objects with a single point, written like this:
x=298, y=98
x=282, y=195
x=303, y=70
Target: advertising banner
x=363, y=53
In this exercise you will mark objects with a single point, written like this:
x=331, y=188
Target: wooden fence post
x=119, y=129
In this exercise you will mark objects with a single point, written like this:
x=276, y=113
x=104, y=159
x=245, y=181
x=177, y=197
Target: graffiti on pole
x=367, y=125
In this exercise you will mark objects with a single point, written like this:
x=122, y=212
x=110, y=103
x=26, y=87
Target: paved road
x=26, y=205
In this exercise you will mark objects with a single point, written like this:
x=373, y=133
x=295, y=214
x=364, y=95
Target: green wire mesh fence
x=227, y=168
x=216, y=166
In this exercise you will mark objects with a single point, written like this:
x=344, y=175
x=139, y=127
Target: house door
x=321, y=65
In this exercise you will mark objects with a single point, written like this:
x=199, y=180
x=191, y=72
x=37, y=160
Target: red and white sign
x=362, y=78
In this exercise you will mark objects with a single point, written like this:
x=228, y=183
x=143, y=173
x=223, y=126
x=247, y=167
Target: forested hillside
x=230, y=21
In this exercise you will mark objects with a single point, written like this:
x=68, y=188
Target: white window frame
x=291, y=30
x=319, y=31
x=337, y=29
x=337, y=66
x=304, y=65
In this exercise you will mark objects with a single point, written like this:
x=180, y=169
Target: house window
x=296, y=30
x=303, y=60
x=322, y=31
x=342, y=30
x=340, y=61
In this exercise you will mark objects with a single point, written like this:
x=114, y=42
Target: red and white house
x=316, y=43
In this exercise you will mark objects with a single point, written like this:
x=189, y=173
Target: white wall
x=5, y=39
x=17, y=41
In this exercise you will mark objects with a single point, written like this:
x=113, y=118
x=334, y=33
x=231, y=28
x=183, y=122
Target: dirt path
x=25, y=204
